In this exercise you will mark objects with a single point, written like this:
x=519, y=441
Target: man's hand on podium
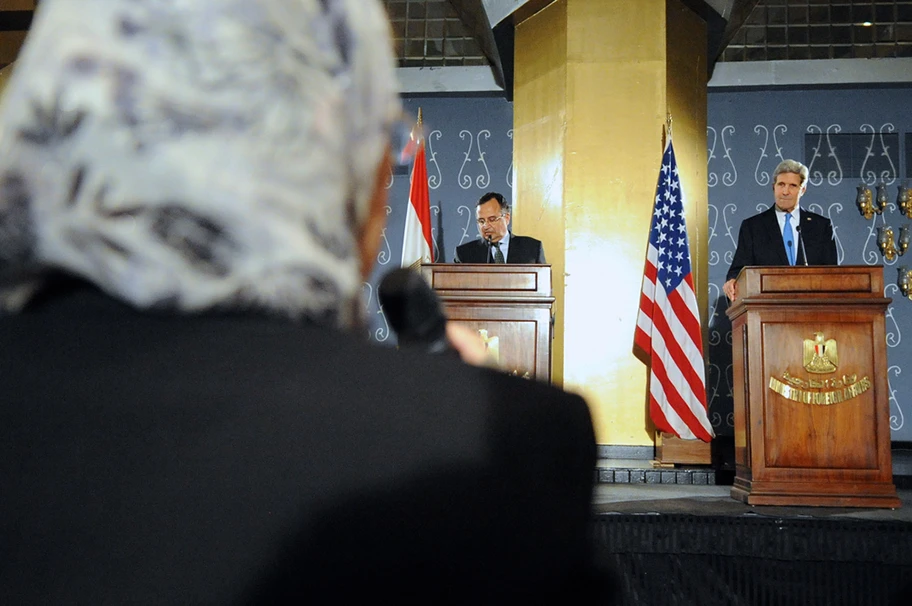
x=730, y=289
x=468, y=344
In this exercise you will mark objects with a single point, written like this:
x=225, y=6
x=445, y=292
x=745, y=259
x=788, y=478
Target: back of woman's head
x=190, y=155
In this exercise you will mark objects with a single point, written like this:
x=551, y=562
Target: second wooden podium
x=811, y=401
x=508, y=304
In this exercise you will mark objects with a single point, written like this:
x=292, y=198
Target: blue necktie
x=788, y=239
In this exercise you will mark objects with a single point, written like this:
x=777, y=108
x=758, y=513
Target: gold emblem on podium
x=820, y=355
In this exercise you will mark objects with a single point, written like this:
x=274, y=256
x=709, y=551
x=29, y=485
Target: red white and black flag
x=668, y=323
x=417, y=244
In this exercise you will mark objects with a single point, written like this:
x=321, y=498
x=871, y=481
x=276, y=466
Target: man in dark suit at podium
x=497, y=243
x=784, y=234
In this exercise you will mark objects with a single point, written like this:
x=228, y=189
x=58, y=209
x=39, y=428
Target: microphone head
x=412, y=308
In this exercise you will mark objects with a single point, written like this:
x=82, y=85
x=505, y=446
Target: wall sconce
x=885, y=242
x=904, y=200
x=865, y=202
x=904, y=281
x=882, y=197
x=888, y=246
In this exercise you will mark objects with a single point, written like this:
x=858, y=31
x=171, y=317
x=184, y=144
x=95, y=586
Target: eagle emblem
x=820, y=355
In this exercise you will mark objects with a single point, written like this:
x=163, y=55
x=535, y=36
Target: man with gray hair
x=497, y=243
x=784, y=234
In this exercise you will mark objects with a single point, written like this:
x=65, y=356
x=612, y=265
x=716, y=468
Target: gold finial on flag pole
x=668, y=124
x=418, y=130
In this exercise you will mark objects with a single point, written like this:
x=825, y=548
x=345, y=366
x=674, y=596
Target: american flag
x=668, y=324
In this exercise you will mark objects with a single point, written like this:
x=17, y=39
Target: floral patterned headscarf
x=191, y=155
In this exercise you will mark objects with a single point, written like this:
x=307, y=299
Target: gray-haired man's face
x=787, y=190
x=493, y=223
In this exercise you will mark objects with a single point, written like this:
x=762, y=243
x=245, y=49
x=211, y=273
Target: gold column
x=593, y=83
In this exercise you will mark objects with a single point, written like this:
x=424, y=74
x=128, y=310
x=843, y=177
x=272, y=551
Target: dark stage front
x=694, y=544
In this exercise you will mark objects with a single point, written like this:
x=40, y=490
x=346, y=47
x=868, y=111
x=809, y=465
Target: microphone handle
x=801, y=246
x=414, y=312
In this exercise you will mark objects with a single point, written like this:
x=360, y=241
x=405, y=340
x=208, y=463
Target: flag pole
x=417, y=239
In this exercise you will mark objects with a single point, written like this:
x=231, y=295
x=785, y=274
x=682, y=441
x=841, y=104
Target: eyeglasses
x=492, y=220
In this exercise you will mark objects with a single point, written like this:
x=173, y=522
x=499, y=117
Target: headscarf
x=191, y=155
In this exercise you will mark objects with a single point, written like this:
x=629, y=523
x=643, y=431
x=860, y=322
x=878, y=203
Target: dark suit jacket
x=227, y=459
x=523, y=249
x=760, y=242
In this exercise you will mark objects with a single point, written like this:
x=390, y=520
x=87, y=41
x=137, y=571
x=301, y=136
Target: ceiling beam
x=474, y=17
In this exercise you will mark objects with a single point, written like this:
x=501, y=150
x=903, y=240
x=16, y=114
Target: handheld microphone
x=414, y=311
x=801, y=245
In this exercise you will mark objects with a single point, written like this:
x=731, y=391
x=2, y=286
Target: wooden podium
x=509, y=304
x=811, y=402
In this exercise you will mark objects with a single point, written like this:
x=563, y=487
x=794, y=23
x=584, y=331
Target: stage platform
x=684, y=540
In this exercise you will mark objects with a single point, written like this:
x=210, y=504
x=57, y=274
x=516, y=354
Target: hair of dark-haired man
x=493, y=195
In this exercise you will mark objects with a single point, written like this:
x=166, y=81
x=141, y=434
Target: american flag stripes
x=668, y=323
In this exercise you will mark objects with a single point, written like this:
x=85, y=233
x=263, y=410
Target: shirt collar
x=781, y=213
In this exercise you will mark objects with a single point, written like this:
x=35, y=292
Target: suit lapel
x=513, y=251
x=810, y=235
x=484, y=252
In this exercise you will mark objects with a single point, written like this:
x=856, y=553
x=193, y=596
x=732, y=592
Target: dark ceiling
x=439, y=33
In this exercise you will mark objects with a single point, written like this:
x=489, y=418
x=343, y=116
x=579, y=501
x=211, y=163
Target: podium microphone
x=801, y=245
x=489, y=240
x=414, y=311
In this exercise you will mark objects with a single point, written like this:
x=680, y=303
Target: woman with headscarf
x=190, y=198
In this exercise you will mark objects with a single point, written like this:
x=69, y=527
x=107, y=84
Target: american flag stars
x=669, y=230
